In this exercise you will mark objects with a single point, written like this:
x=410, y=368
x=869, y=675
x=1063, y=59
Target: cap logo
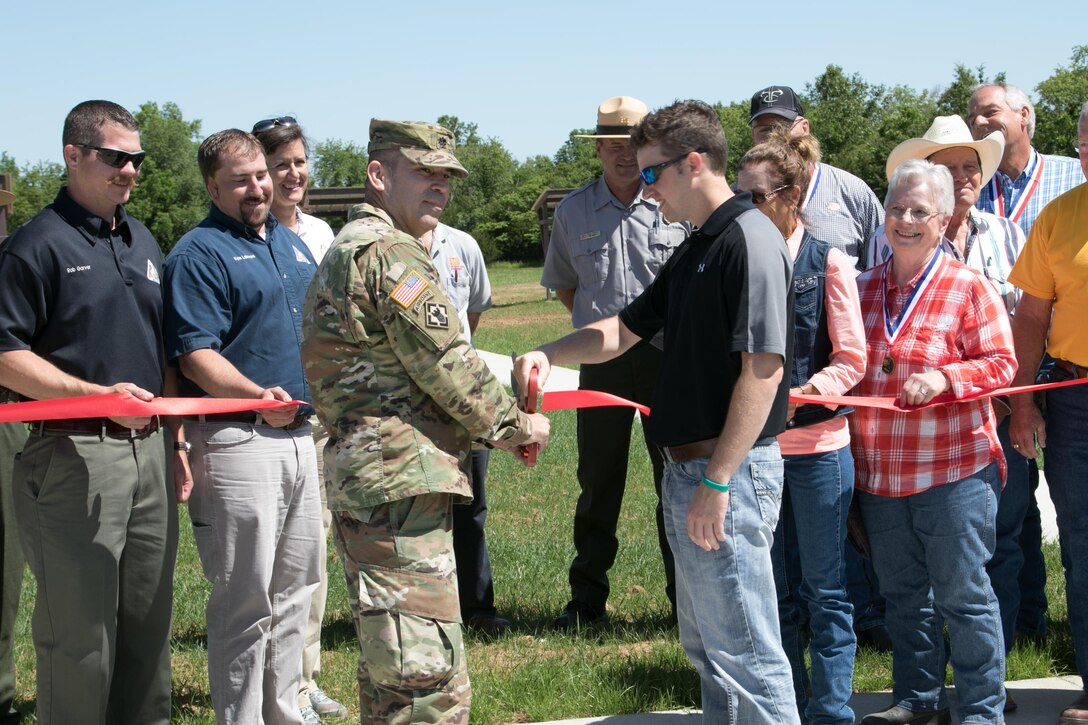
x=441, y=142
x=624, y=121
x=771, y=95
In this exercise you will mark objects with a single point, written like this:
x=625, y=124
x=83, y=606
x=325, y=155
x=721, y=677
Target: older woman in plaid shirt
x=928, y=480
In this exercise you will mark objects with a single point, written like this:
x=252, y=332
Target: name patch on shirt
x=590, y=235
x=411, y=287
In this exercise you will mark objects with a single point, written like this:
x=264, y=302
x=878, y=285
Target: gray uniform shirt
x=606, y=252
x=460, y=265
x=843, y=211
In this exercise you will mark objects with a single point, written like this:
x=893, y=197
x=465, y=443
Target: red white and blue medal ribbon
x=813, y=182
x=1020, y=201
x=893, y=328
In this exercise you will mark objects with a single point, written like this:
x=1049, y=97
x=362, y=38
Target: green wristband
x=723, y=487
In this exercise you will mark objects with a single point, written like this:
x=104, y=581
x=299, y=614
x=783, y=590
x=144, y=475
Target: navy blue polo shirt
x=83, y=296
x=726, y=290
x=231, y=291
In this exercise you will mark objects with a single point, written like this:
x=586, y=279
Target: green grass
x=634, y=664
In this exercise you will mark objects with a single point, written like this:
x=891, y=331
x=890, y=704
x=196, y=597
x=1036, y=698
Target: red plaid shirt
x=959, y=326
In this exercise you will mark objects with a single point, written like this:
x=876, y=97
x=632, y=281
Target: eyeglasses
x=651, y=174
x=758, y=197
x=901, y=212
x=270, y=123
x=115, y=157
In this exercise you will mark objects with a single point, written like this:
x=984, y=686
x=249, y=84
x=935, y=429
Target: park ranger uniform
x=402, y=394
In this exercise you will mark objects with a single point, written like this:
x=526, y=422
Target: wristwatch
x=183, y=446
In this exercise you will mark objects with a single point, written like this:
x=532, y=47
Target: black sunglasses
x=758, y=197
x=115, y=157
x=270, y=123
x=651, y=174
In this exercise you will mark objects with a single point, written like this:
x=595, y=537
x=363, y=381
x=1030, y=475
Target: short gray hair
x=921, y=171
x=1016, y=99
x=1083, y=113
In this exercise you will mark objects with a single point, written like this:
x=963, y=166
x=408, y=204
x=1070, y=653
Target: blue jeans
x=728, y=628
x=810, y=576
x=1004, y=568
x=1066, y=463
x=930, y=550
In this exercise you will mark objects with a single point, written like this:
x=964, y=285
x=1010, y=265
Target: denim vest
x=811, y=342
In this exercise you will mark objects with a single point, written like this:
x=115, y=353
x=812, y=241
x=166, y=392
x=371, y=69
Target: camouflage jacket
x=399, y=389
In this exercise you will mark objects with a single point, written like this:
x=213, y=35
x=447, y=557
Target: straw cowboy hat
x=616, y=117
x=947, y=132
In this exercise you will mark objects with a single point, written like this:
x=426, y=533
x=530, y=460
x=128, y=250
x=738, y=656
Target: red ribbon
x=567, y=399
x=115, y=405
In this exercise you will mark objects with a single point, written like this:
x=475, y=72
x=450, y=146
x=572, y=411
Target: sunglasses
x=758, y=197
x=115, y=157
x=270, y=123
x=651, y=174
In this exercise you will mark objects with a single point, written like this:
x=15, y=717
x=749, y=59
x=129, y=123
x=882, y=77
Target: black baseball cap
x=779, y=100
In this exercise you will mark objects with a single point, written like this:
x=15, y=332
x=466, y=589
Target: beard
x=254, y=217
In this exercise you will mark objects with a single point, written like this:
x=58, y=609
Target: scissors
x=528, y=452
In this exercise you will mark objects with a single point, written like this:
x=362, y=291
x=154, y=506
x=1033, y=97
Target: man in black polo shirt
x=724, y=301
x=81, y=314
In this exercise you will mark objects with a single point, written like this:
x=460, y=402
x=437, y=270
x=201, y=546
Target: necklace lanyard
x=892, y=329
x=1020, y=201
x=813, y=182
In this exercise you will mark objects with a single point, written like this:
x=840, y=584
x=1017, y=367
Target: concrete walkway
x=1040, y=702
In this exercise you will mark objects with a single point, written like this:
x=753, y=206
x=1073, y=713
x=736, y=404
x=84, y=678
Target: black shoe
x=876, y=638
x=578, y=615
x=902, y=716
x=1010, y=704
x=489, y=624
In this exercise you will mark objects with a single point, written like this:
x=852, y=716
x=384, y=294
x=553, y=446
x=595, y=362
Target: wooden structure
x=5, y=211
x=544, y=206
x=333, y=203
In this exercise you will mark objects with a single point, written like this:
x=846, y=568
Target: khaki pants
x=403, y=588
x=311, y=652
x=99, y=530
x=255, y=519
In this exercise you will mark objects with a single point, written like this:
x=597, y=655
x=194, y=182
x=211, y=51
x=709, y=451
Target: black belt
x=701, y=449
x=249, y=418
x=1077, y=371
x=101, y=427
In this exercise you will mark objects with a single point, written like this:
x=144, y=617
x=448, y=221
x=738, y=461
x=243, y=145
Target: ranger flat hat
x=616, y=117
x=779, y=100
x=947, y=132
x=424, y=144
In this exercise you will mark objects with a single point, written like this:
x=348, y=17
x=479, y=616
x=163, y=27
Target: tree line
x=858, y=124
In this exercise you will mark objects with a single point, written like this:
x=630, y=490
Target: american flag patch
x=409, y=290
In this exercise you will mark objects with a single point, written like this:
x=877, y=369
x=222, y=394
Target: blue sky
x=526, y=73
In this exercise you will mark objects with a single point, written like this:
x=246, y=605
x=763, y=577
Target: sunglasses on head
x=270, y=123
x=115, y=157
x=651, y=174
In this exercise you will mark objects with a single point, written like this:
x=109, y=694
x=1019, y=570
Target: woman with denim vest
x=829, y=359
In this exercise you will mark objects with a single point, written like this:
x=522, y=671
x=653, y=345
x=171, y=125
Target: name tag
x=590, y=235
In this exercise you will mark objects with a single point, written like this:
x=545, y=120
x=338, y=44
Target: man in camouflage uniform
x=402, y=394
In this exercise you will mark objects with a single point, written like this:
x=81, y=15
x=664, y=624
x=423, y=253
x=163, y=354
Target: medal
x=888, y=365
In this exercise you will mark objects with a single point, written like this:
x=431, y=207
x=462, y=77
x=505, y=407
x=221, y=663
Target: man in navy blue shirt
x=234, y=289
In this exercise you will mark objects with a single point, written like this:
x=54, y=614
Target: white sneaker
x=325, y=706
x=309, y=716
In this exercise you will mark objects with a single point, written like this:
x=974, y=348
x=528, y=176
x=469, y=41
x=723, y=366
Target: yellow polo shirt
x=1054, y=266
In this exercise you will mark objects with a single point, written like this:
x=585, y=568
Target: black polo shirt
x=726, y=290
x=84, y=297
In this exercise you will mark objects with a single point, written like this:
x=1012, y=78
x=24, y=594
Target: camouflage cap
x=424, y=144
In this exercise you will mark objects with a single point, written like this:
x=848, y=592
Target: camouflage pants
x=402, y=583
